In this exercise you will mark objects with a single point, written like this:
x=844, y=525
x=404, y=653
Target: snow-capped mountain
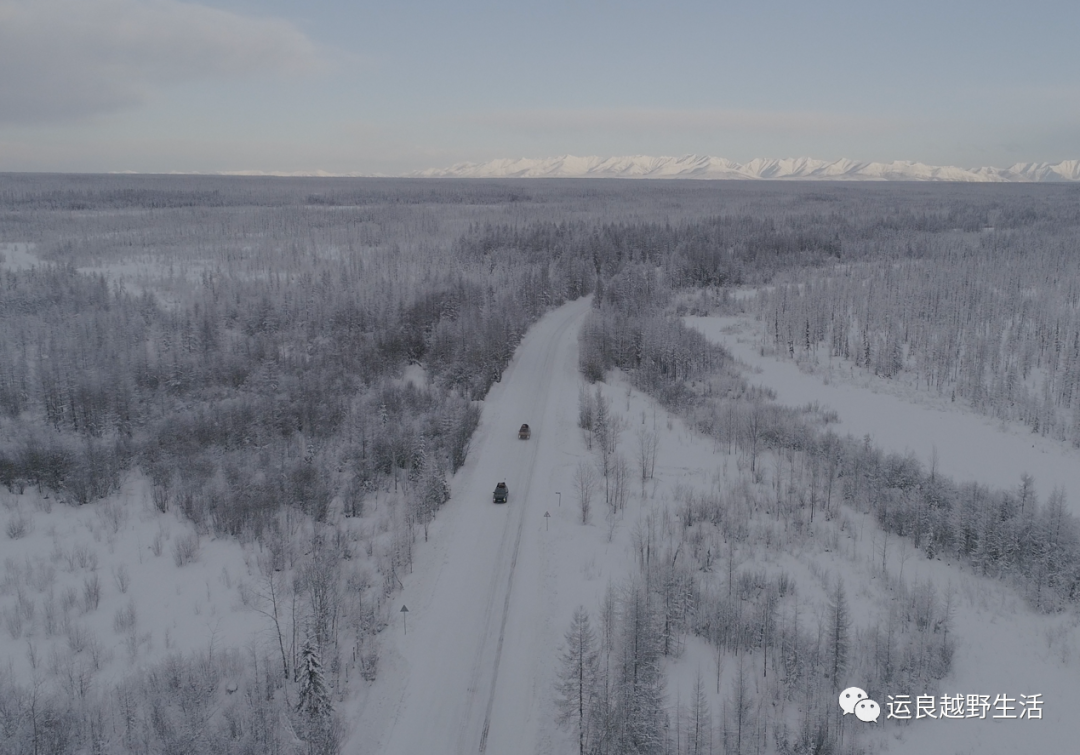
x=705, y=167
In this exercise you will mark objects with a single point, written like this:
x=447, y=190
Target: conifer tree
x=315, y=706
x=839, y=624
x=578, y=677
x=314, y=696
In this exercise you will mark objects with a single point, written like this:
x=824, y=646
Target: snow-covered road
x=473, y=672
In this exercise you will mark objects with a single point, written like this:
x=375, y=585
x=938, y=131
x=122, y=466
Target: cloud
x=67, y=59
x=636, y=120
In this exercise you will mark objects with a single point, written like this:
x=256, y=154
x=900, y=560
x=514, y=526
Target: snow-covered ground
x=472, y=665
x=493, y=590
x=1004, y=648
x=17, y=256
x=95, y=591
x=969, y=447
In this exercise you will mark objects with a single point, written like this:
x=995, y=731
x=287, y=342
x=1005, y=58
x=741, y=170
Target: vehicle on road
x=501, y=493
x=524, y=433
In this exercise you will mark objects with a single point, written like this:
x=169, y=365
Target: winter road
x=473, y=672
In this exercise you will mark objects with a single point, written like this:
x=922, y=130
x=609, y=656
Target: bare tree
x=268, y=602
x=606, y=431
x=738, y=722
x=586, y=413
x=648, y=445
x=585, y=484
x=754, y=424
x=577, y=688
x=699, y=728
x=1027, y=488
x=320, y=578
x=618, y=484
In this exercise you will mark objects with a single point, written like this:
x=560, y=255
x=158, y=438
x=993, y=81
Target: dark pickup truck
x=501, y=493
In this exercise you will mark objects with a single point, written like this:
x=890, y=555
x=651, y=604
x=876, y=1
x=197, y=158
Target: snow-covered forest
x=980, y=303
x=249, y=428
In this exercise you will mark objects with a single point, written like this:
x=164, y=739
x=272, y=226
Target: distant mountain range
x=704, y=167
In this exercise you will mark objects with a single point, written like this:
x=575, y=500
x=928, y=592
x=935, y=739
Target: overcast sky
x=387, y=87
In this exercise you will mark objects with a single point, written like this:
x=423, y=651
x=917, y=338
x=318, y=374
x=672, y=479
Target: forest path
x=472, y=674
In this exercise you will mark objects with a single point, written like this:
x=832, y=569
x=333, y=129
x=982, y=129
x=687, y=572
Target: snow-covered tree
x=314, y=699
x=578, y=679
x=837, y=639
x=315, y=705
